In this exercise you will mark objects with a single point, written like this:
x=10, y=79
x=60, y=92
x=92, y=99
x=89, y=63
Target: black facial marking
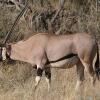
x=39, y=72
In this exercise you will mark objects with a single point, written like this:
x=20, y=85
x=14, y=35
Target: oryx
x=47, y=50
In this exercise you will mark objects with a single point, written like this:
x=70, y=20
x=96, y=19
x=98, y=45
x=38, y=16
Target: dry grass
x=62, y=86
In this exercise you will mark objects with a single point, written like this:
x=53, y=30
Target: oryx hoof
x=37, y=80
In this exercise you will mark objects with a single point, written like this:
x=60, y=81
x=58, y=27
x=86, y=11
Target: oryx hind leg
x=89, y=69
x=80, y=75
x=48, y=76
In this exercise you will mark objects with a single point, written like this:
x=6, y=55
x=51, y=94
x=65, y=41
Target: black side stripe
x=63, y=58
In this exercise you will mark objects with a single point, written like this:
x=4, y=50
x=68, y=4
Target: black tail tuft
x=97, y=73
x=97, y=68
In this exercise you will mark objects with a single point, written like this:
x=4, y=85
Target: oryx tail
x=97, y=68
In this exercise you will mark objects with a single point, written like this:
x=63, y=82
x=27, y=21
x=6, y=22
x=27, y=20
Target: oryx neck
x=18, y=52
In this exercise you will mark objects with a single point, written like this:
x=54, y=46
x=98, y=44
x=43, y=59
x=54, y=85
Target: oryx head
x=4, y=48
x=4, y=52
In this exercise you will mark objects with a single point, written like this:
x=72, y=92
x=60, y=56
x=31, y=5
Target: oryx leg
x=48, y=76
x=80, y=75
x=39, y=74
x=89, y=69
x=40, y=62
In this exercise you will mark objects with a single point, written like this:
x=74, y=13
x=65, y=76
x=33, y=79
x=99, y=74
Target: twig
x=64, y=25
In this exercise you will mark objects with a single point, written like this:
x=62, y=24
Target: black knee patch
x=39, y=72
x=48, y=74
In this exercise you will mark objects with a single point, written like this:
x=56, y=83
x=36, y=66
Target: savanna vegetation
x=54, y=17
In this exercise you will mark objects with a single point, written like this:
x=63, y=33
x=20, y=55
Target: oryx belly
x=59, y=63
x=67, y=63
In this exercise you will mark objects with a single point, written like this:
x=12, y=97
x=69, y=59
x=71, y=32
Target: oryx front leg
x=48, y=76
x=38, y=77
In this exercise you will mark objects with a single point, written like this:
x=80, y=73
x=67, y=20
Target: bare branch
x=61, y=3
x=58, y=11
x=73, y=21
